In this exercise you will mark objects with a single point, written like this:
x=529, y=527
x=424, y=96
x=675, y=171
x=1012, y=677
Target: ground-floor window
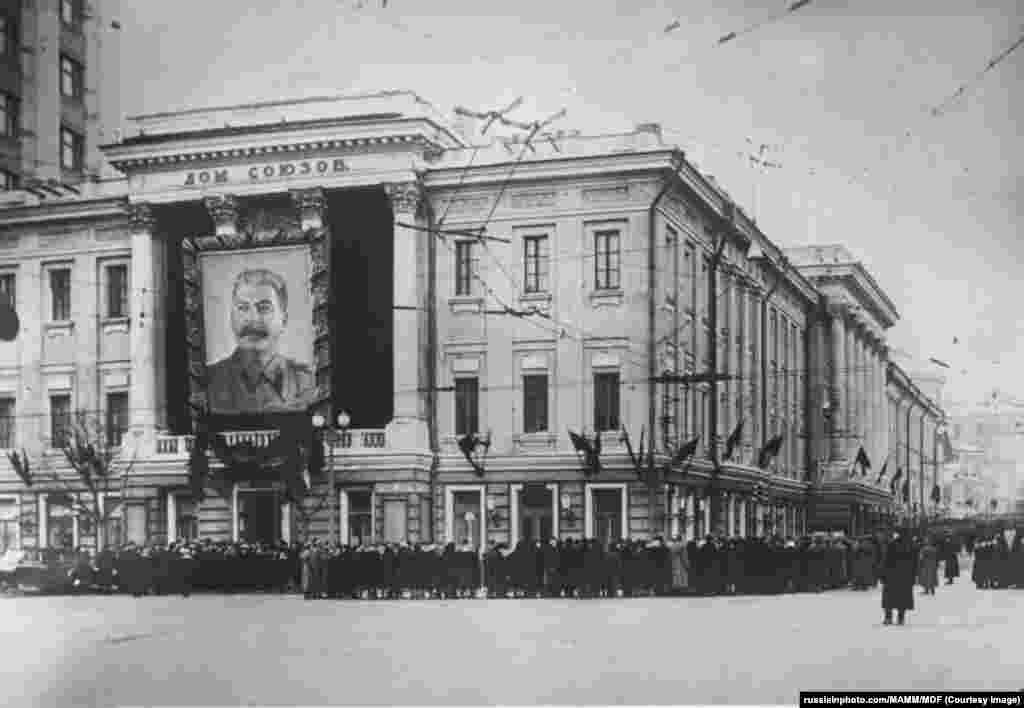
x=8, y=525
x=395, y=530
x=467, y=524
x=60, y=526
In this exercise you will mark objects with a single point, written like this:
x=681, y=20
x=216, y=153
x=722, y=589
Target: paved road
x=280, y=649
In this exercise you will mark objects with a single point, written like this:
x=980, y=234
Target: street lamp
x=320, y=423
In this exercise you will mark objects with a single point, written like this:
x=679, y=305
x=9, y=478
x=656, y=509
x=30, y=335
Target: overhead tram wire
x=964, y=88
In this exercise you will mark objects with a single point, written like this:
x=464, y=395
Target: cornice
x=547, y=168
x=131, y=157
x=65, y=211
x=867, y=289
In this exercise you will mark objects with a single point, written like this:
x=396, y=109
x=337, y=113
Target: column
x=143, y=332
x=850, y=388
x=838, y=384
x=408, y=428
x=756, y=389
x=885, y=412
x=691, y=520
x=743, y=517
x=730, y=516
x=865, y=387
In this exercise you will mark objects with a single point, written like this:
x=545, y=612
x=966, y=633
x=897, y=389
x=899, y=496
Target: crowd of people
x=999, y=561
x=569, y=568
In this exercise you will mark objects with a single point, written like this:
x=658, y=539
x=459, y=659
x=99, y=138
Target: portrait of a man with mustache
x=256, y=378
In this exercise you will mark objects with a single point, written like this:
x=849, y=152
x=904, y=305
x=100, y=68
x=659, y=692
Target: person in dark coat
x=950, y=562
x=899, y=572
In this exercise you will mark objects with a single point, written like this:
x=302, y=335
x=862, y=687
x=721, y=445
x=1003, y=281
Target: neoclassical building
x=437, y=287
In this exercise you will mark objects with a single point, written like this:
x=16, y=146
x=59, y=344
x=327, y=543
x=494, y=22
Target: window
x=606, y=401
x=186, y=518
x=60, y=294
x=8, y=524
x=535, y=403
x=535, y=264
x=117, y=290
x=467, y=420
x=71, y=13
x=464, y=268
x=60, y=524
x=71, y=150
x=60, y=419
x=7, y=419
x=117, y=417
x=8, y=287
x=360, y=518
x=8, y=36
x=113, y=525
x=606, y=261
x=9, y=181
x=71, y=78
x=10, y=108
x=466, y=521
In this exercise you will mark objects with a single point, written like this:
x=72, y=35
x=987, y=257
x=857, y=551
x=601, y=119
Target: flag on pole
x=893, y=485
x=769, y=451
x=733, y=440
x=863, y=461
x=881, y=475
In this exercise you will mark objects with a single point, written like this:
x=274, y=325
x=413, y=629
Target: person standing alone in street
x=899, y=570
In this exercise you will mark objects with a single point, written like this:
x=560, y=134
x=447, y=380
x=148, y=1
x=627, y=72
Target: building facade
x=439, y=289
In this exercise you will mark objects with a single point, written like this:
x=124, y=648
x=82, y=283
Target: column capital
x=405, y=197
x=142, y=217
x=838, y=309
x=223, y=209
x=311, y=205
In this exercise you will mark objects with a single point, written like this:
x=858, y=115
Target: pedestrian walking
x=928, y=567
x=898, y=572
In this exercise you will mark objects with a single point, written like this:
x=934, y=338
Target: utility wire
x=943, y=107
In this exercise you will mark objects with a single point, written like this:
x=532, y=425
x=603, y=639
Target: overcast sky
x=841, y=89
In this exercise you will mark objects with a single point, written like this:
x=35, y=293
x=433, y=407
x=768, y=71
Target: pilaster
x=408, y=426
x=144, y=331
x=838, y=383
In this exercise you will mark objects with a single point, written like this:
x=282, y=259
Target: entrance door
x=607, y=515
x=536, y=519
x=258, y=514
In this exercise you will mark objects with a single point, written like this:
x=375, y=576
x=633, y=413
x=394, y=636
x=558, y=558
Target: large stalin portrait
x=256, y=377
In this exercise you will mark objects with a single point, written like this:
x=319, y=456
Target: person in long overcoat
x=949, y=556
x=928, y=567
x=898, y=573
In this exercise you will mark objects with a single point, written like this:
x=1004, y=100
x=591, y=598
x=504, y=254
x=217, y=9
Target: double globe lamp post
x=332, y=434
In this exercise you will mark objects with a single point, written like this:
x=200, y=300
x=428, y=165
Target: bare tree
x=92, y=467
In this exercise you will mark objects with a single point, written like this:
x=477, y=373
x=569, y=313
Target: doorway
x=258, y=517
x=534, y=512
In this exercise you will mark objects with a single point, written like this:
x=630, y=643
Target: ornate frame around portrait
x=263, y=226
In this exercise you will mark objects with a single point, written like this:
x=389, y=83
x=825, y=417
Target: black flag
x=936, y=494
x=906, y=489
x=863, y=461
x=468, y=445
x=893, y=485
x=686, y=451
x=733, y=440
x=769, y=451
x=881, y=475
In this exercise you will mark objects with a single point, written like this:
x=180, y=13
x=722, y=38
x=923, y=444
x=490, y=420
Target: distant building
x=992, y=430
x=50, y=77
